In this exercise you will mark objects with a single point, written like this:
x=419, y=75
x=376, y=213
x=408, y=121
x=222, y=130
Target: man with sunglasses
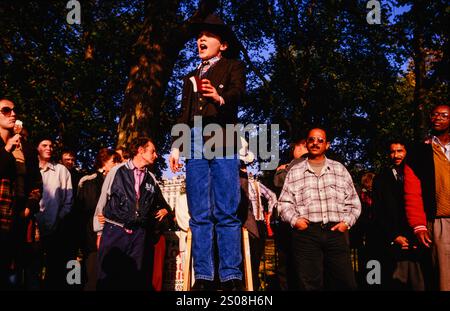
x=20, y=188
x=320, y=202
x=8, y=142
x=7, y=121
x=427, y=195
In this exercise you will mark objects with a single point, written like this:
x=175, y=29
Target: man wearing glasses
x=320, y=202
x=8, y=143
x=7, y=121
x=427, y=195
x=20, y=192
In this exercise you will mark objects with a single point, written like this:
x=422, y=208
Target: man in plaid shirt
x=320, y=202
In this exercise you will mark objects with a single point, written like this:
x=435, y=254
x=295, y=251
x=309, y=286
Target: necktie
x=398, y=175
x=203, y=69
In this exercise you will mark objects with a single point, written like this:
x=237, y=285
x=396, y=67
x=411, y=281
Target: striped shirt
x=204, y=66
x=445, y=148
x=256, y=190
x=329, y=197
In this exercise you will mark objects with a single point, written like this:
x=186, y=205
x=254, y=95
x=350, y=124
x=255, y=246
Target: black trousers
x=90, y=270
x=57, y=255
x=257, y=247
x=322, y=258
x=120, y=259
x=287, y=277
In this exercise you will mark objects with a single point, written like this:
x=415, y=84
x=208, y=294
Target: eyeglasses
x=311, y=140
x=6, y=111
x=443, y=115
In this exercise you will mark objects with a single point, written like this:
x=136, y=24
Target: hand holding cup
x=208, y=90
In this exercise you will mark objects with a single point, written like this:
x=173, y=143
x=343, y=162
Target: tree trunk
x=420, y=103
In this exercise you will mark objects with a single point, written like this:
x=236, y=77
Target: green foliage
x=58, y=90
x=321, y=62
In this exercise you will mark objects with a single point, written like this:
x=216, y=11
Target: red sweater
x=413, y=201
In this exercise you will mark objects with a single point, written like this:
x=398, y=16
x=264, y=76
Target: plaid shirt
x=330, y=197
x=6, y=205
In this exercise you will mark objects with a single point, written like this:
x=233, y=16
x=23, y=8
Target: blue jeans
x=213, y=196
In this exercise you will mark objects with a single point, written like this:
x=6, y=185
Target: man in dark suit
x=213, y=92
x=398, y=246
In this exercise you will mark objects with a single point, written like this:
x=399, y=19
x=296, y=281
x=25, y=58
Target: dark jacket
x=89, y=190
x=389, y=207
x=420, y=160
x=228, y=77
x=75, y=176
x=280, y=175
x=118, y=198
x=7, y=177
x=7, y=163
x=33, y=178
x=32, y=181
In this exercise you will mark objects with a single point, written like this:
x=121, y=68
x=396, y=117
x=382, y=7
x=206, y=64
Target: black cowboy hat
x=215, y=25
x=37, y=139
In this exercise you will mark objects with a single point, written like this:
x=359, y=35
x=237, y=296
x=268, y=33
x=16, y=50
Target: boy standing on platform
x=213, y=184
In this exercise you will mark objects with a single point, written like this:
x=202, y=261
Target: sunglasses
x=7, y=111
x=311, y=140
x=443, y=115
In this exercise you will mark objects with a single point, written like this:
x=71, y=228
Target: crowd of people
x=51, y=214
x=398, y=217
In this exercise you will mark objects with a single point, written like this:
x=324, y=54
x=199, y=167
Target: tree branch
x=205, y=7
x=253, y=67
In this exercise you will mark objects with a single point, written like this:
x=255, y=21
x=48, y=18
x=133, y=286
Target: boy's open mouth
x=203, y=47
